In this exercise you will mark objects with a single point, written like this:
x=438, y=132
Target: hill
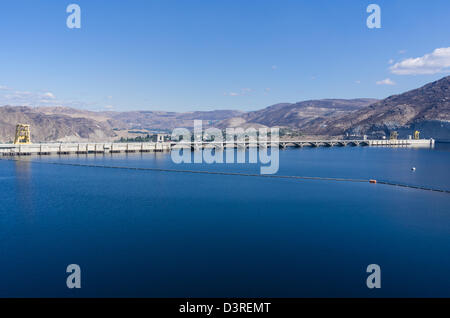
x=69, y=124
x=51, y=127
x=299, y=115
x=426, y=109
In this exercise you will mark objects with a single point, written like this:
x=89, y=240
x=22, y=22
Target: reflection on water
x=24, y=190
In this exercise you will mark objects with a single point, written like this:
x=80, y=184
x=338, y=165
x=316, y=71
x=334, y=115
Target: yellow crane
x=394, y=135
x=23, y=136
x=416, y=134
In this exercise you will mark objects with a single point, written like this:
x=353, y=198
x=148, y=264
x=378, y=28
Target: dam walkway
x=111, y=147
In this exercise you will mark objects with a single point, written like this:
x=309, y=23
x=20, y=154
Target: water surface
x=162, y=234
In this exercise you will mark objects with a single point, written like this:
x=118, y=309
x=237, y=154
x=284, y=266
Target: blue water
x=165, y=234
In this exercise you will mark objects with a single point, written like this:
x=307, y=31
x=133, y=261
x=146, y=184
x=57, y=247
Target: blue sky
x=182, y=55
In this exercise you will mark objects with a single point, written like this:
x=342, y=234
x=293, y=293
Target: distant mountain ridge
x=69, y=124
x=51, y=127
x=426, y=109
x=170, y=120
x=302, y=114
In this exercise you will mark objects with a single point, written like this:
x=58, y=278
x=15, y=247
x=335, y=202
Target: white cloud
x=10, y=96
x=358, y=82
x=23, y=98
x=402, y=52
x=274, y=67
x=231, y=94
x=49, y=95
x=386, y=81
x=391, y=61
x=436, y=62
x=242, y=92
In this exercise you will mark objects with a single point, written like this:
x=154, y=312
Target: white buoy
x=413, y=168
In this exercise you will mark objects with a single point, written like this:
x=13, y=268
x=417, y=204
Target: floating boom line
x=242, y=174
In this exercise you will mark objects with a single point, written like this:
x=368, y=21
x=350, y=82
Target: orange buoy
x=373, y=181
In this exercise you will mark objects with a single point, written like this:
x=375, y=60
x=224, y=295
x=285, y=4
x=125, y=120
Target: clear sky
x=181, y=55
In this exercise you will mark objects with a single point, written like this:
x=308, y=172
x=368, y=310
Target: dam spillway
x=111, y=147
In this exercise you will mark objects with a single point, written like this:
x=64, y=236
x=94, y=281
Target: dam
x=112, y=147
